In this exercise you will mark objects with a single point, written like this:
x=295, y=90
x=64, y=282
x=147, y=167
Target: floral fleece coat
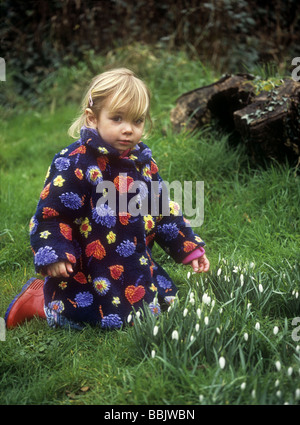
x=110, y=252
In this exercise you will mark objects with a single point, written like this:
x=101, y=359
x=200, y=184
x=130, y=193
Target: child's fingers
x=59, y=269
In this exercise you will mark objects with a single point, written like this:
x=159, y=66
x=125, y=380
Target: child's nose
x=127, y=127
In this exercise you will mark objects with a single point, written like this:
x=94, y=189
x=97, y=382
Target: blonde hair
x=125, y=92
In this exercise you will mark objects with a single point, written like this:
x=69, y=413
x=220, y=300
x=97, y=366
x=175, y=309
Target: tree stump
x=265, y=114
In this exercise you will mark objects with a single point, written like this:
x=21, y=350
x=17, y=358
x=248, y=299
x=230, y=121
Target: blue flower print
x=126, y=248
x=94, y=175
x=62, y=164
x=56, y=306
x=111, y=321
x=33, y=225
x=169, y=231
x=164, y=282
x=155, y=308
x=45, y=255
x=84, y=299
x=102, y=285
x=71, y=200
x=104, y=215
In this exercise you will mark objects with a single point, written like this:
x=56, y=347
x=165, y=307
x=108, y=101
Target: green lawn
x=242, y=311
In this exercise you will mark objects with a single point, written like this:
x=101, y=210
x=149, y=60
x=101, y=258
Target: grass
x=242, y=310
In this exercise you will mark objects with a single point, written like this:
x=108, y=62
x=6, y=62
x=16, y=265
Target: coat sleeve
x=172, y=231
x=61, y=202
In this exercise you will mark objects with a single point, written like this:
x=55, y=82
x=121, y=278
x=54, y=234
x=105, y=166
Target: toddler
x=98, y=216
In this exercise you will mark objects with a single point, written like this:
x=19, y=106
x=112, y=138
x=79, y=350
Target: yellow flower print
x=47, y=174
x=58, y=181
x=116, y=301
x=133, y=157
x=149, y=223
x=45, y=234
x=153, y=288
x=143, y=261
x=63, y=285
x=198, y=239
x=85, y=227
x=103, y=150
x=111, y=237
x=147, y=172
x=174, y=208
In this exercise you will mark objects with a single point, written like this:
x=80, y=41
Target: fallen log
x=265, y=114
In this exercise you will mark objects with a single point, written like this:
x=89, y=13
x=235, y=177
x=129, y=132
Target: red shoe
x=27, y=304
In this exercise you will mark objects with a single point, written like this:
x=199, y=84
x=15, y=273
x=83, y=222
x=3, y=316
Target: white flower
x=275, y=330
x=218, y=331
x=246, y=336
x=253, y=393
x=235, y=269
x=251, y=265
x=201, y=398
x=206, y=320
x=192, y=301
x=185, y=312
x=197, y=327
x=222, y=362
x=242, y=279
x=198, y=313
x=175, y=335
x=206, y=299
x=219, y=272
x=243, y=386
x=153, y=354
x=248, y=306
x=278, y=393
x=188, y=275
x=296, y=294
x=277, y=382
x=297, y=394
x=129, y=318
x=260, y=288
x=155, y=330
x=257, y=326
x=290, y=371
x=192, y=338
x=278, y=365
x=138, y=314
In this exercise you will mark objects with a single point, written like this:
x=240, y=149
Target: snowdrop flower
x=175, y=335
x=185, y=312
x=235, y=269
x=218, y=331
x=298, y=349
x=198, y=313
x=277, y=382
x=221, y=310
x=278, y=393
x=192, y=338
x=290, y=371
x=248, y=306
x=260, y=288
x=243, y=386
x=253, y=393
x=297, y=394
x=201, y=398
x=192, y=301
x=257, y=326
x=155, y=330
x=296, y=294
x=251, y=265
x=219, y=272
x=188, y=275
x=278, y=365
x=242, y=279
x=206, y=299
x=197, y=327
x=275, y=330
x=153, y=354
x=246, y=336
x=206, y=320
x=222, y=362
x=129, y=318
x=138, y=314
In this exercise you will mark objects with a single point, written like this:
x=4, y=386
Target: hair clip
x=91, y=103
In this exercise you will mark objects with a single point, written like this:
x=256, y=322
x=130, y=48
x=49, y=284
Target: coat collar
x=89, y=136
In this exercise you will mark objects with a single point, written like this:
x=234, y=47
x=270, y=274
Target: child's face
x=118, y=130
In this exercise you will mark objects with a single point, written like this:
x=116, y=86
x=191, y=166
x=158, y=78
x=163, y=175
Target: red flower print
x=78, y=173
x=154, y=168
x=124, y=218
x=49, y=212
x=71, y=258
x=189, y=246
x=102, y=161
x=134, y=293
x=80, y=277
x=116, y=271
x=123, y=183
x=81, y=149
x=95, y=249
x=66, y=231
x=45, y=191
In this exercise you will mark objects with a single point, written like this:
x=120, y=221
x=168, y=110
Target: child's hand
x=200, y=264
x=59, y=269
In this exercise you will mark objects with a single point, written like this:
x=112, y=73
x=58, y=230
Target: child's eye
x=139, y=121
x=117, y=118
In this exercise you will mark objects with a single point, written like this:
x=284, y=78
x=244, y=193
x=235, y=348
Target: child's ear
x=90, y=118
